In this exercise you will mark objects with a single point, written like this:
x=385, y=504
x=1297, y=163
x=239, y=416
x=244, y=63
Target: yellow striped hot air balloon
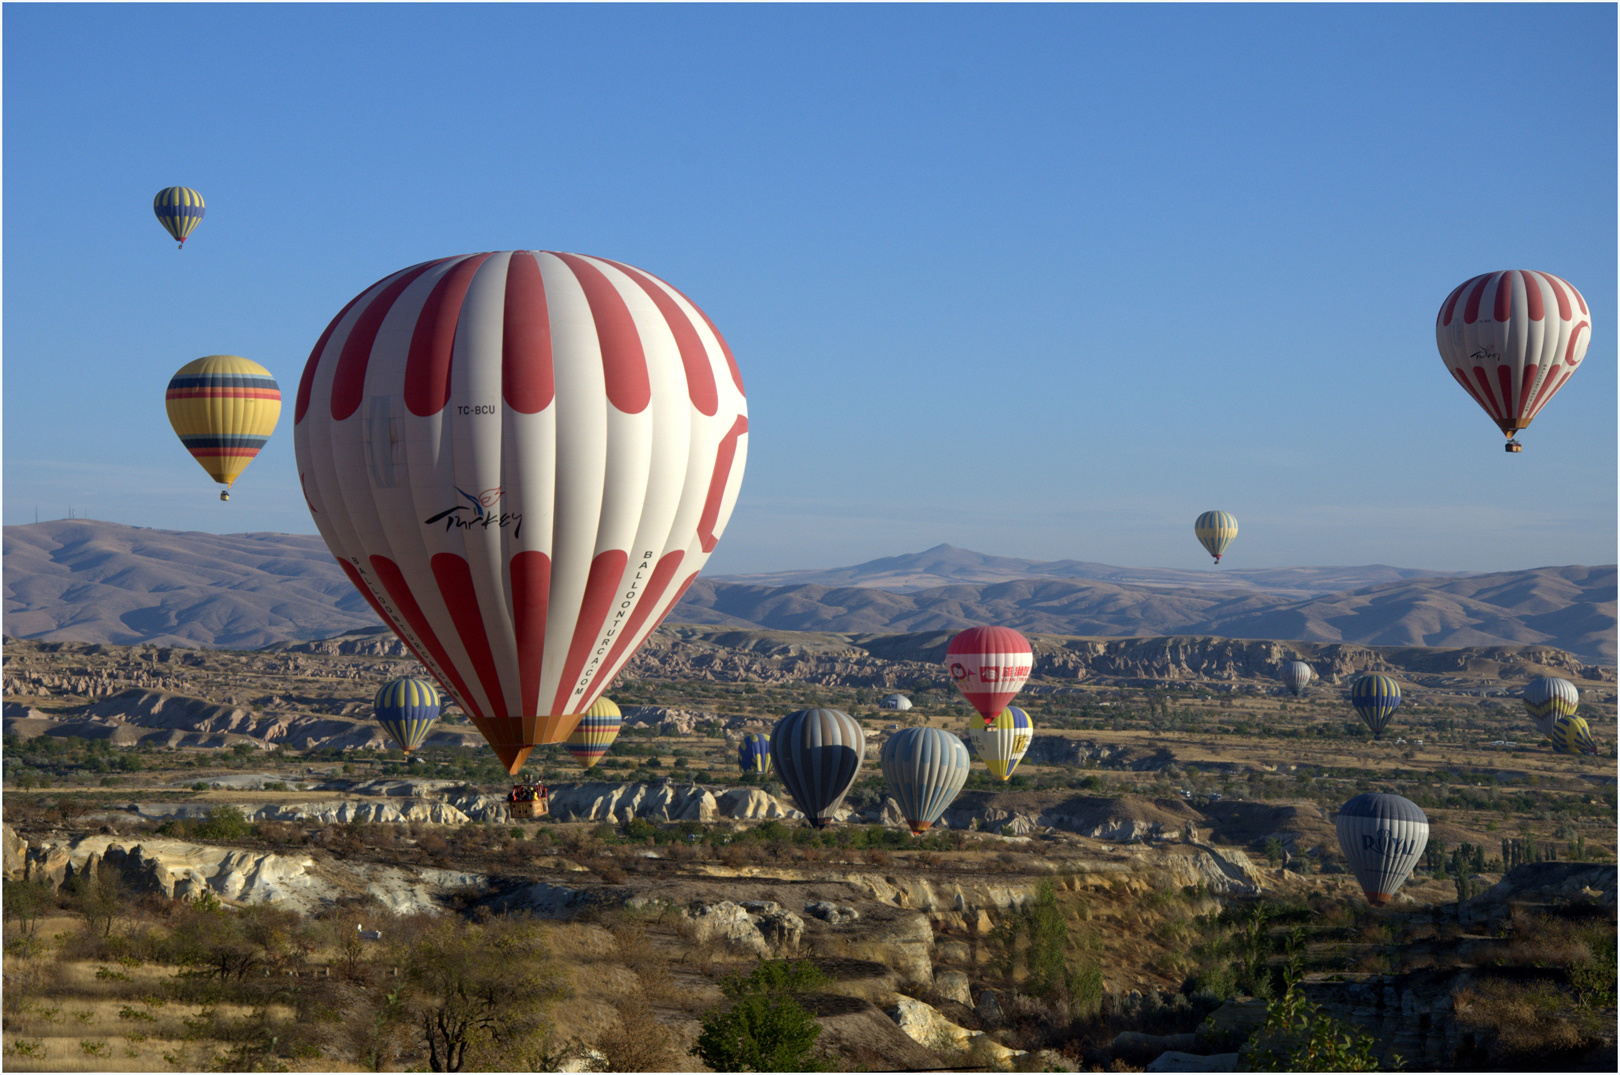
x=596, y=731
x=223, y=408
x=178, y=209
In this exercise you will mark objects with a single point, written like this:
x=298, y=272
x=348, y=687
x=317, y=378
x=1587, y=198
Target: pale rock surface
x=16, y=854
x=1180, y=1061
x=750, y=804
x=831, y=913
x=953, y=985
x=727, y=923
x=923, y=1023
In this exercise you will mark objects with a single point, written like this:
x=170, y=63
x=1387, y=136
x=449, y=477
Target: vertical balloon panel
x=522, y=459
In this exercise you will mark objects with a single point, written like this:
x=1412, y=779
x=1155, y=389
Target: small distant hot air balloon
x=1382, y=836
x=895, y=701
x=178, y=209
x=1375, y=698
x=598, y=727
x=989, y=665
x=1215, y=531
x=521, y=460
x=754, y=754
x=1572, y=735
x=224, y=408
x=1004, y=741
x=1512, y=339
x=1549, y=698
x=1296, y=676
x=407, y=709
x=925, y=768
x=817, y=754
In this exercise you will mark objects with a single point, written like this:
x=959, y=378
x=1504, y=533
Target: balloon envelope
x=895, y=701
x=925, y=768
x=1296, y=676
x=1375, y=698
x=754, y=754
x=1572, y=735
x=1382, y=836
x=1003, y=742
x=223, y=408
x=598, y=727
x=1215, y=531
x=178, y=209
x=1512, y=339
x=817, y=754
x=521, y=459
x=1549, y=698
x=989, y=665
x=407, y=709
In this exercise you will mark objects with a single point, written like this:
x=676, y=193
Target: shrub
x=765, y=1028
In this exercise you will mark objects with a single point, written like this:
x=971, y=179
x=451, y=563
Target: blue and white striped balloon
x=925, y=769
x=1383, y=837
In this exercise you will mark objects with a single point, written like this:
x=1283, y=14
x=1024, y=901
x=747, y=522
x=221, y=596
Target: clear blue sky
x=1040, y=281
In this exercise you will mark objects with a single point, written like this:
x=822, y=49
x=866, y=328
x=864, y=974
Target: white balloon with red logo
x=521, y=459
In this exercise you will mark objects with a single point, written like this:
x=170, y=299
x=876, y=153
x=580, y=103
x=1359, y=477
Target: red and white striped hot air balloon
x=989, y=666
x=1512, y=339
x=521, y=459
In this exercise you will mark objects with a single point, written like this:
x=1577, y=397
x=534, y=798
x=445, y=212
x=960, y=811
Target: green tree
x=1299, y=1036
x=764, y=1028
x=481, y=994
x=24, y=901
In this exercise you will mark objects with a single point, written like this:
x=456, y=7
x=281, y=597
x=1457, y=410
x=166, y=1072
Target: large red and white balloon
x=521, y=459
x=1512, y=339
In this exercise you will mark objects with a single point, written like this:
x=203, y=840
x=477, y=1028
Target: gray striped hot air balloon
x=1296, y=676
x=925, y=768
x=1549, y=698
x=817, y=754
x=1383, y=837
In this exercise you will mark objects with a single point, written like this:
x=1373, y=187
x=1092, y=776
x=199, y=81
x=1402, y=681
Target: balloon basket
x=225, y=495
x=1513, y=446
x=528, y=809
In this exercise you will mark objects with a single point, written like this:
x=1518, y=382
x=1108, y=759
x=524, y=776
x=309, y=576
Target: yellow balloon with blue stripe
x=1215, y=531
x=223, y=408
x=595, y=732
x=1375, y=698
x=1004, y=741
x=407, y=708
x=1572, y=735
x=178, y=209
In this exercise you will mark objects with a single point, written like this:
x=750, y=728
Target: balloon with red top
x=989, y=666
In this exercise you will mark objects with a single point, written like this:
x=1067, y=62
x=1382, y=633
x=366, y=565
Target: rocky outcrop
x=1542, y=883
x=781, y=928
x=753, y=804
x=600, y=801
x=727, y=924
x=923, y=1023
x=831, y=913
x=903, y=940
x=1062, y=750
x=16, y=854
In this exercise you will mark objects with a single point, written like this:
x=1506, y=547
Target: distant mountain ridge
x=91, y=581
x=946, y=565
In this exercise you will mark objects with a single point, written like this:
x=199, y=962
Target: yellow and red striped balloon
x=595, y=732
x=224, y=408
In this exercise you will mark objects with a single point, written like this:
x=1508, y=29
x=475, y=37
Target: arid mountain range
x=93, y=581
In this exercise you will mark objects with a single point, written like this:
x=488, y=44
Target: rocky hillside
x=93, y=581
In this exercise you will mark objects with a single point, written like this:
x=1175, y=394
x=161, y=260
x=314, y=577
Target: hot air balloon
x=178, y=209
x=1215, y=530
x=817, y=754
x=521, y=460
x=224, y=408
x=1572, y=735
x=1549, y=698
x=1296, y=676
x=754, y=754
x=407, y=708
x=1512, y=339
x=1375, y=698
x=895, y=701
x=989, y=666
x=924, y=768
x=1003, y=742
x=1382, y=836
x=598, y=727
